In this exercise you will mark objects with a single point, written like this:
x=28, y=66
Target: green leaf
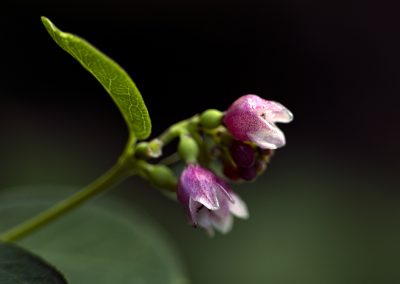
x=113, y=78
x=102, y=242
x=18, y=266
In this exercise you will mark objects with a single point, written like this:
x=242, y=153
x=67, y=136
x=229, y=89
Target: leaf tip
x=47, y=24
x=45, y=21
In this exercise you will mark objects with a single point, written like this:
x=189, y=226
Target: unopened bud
x=155, y=148
x=243, y=154
x=163, y=177
x=188, y=149
x=152, y=149
x=211, y=118
x=248, y=174
x=231, y=172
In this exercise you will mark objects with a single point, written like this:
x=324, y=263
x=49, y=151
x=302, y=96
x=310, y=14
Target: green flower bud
x=152, y=149
x=163, y=177
x=211, y=118
x=141, y=149
x=155, y=148
x=188, y=149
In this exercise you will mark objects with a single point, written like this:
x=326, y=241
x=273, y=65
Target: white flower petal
x=205, y=220
x=211, y=201
x=275, y=112
x=206, y=194
x=224, y=224
x=238, y=207
x=268, y=137
x=223, y=193
x=193, y=209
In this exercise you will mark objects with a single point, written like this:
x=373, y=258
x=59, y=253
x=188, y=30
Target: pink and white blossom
x=251, y=118
x=208, y=201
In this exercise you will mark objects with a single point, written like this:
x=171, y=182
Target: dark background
x=334, y=64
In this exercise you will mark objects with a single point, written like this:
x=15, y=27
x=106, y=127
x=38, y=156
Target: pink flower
x=208, y=200
x=251, y=118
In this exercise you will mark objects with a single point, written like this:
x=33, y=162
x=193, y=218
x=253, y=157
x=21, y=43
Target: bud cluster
x=218, y=147
x=245, y=161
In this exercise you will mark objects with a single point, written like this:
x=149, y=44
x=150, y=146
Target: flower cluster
x=217, y=148
x=242, y=140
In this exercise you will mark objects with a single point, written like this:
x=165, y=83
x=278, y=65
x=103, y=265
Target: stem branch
x=127, y=165
x=113, y=176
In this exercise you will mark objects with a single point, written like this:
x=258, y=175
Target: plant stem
x=171, y=159
x=121, y=170
x=126, y=166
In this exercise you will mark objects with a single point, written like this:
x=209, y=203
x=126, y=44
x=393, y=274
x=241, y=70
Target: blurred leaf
x=18, y=266
x=101, y=242
x=113, y=78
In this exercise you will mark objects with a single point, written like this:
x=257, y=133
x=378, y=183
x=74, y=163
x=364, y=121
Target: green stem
x=121, y=170
x=175, y=130
x=127, y=165
x=171, y=159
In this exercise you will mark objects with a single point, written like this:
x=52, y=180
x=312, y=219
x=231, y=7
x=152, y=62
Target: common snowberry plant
x=216, y=148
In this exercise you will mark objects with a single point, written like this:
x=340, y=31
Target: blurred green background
x=327, y=209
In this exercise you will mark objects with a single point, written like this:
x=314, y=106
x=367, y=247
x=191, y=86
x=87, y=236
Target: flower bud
x=163, y=177
x=243, y=154
x=155, y=148
x=152, y=149
x=188, y=149
x=211, y=118
x=230, y=171
x=248, y=174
